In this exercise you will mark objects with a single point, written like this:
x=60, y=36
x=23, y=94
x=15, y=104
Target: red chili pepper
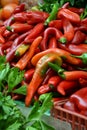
x=18, y=28
x=2, y=40
x=21, y=64
x=19, y=8
x=3, y=47
x=51, y=85
x=63, y=86
x=74, y=49
x=59, y=52
x=76, y=10
x=13, y=37
x=49, y=31
x=2, y=29
x=35, y=32
x=79, y=98
x=71, y=16
x=56, y=23
x=79, y=37
x=28, y=74
x=52, y=43
x=82, y=27
x=84, y=21
x=19, y=17
x=65, y=5
x=68, y=31
x=75, y=75
x=36, y=16
x=15, y=44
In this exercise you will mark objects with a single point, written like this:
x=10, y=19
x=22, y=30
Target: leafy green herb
x=22, y=90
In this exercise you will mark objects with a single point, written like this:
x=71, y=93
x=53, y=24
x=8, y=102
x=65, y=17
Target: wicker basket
x=77, y=121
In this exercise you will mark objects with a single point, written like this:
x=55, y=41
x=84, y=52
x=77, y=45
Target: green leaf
x=39, y=109
x=30, y=128
x=14, y=126
x=14, y=78
x=21, y=90
x=4, y=69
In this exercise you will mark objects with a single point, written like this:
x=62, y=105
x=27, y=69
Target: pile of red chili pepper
x=51, y=48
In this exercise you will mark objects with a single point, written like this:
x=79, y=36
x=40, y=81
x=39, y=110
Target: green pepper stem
x=62, y=40
x=83, y=57
x=57, y=68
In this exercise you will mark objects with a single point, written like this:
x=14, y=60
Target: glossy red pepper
x=28, y=74
x=78, y=38
x=79, y=98
x=64, y=85
x=36, y=16
x=51, y=85
x=19, y=17
x=35, y=32
x=52, y=43
x=82, y=82
x=19, y=8
x=49, y=31
x=68, y=31
x=71, y=16
x=2, y=29
x=13, y=37
x=56, y=23
x=2, y=39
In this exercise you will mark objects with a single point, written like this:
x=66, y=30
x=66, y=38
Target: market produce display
x=44, y=51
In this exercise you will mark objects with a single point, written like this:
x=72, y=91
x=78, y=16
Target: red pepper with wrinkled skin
x=52, y=43
x=2, y=29
x=78, y=38
x=65, y=85
x=82, y=27
x=56, y=23
x=49, y=31
x=71, y=16
x=28, y=74
x=35, y=32
x=79, y=98
x=68, y=31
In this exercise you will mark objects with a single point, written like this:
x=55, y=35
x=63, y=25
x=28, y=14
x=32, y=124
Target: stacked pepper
x=51, y=48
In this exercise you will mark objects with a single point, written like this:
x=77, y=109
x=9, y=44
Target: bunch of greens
x=48, y=4
x=11, y=118
x=10, y=78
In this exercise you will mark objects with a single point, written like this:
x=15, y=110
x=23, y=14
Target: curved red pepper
x=68, y=31
x=19, y=8
x=76, y=10
x=49, y=31
x=52, y=43
x=71, y=16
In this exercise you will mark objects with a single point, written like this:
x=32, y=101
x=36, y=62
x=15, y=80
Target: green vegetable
x=84, y=14
x=11, y=117
x=52, y=14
